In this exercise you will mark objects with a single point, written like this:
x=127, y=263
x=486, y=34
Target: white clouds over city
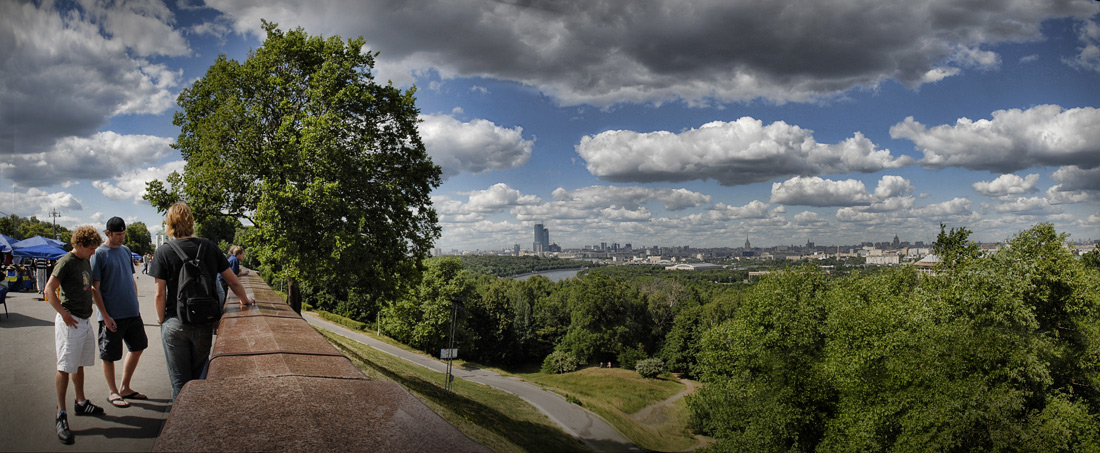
x=732, y=153
x=655, y=122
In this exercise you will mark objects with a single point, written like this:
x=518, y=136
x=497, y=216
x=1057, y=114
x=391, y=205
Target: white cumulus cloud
x=131, y=184
x=1013, y=140
x=1007, y=185
x=732, y=153
x=815, y=191
x=103, y=155
x=474, y=147
x=630, y=197
x=67, y=72
x=37, y=202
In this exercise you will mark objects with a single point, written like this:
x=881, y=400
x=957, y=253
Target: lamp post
x=456, y=303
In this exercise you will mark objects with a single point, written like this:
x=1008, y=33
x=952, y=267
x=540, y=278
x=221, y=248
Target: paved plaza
x=28, y=364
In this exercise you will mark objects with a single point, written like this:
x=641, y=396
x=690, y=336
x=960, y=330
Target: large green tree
x=326, y=163
x=138, y=239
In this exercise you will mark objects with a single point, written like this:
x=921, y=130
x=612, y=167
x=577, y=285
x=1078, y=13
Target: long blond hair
x=178, y=221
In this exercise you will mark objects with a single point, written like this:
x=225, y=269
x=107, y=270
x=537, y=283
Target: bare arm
x=51, y=297
x=236, y=285
x=159, y=295
x=107, y=320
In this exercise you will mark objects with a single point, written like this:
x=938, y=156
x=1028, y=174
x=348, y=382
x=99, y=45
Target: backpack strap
x=179, y=251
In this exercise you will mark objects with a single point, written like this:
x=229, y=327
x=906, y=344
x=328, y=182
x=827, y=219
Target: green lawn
x=497, y=419
x=618, y=395
x=504, y=422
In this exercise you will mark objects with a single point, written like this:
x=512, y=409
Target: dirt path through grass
x=646, y=413
x=653, y=413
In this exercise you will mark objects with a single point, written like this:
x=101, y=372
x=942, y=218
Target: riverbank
x=555, y=275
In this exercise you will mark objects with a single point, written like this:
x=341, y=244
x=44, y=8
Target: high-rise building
x=542, y=239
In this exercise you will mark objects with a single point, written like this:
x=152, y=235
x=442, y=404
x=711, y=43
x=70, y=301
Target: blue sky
x=697, y=123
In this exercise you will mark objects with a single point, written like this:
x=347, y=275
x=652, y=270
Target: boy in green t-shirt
x=73, y=333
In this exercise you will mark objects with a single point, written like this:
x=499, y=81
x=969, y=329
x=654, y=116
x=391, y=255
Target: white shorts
x=75, y=346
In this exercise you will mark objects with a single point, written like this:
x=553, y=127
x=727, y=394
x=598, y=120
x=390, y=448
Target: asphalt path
x=590, y=428
x=28, y=364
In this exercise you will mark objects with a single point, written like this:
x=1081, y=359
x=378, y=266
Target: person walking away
x=74, y=338
x=186, y=346
x=120, y=322
x=41, y=266
x=236, y=253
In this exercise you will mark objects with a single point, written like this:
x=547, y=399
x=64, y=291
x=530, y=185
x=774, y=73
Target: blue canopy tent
x=36, y=241
x=135, y=255
x=48, y=252
x=5, y=244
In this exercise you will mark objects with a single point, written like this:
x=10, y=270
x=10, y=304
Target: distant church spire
x=747, y=245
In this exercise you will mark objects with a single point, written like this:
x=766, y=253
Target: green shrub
x=349, y=323
x=650, y=368
x=559, y=362
x=629, y=357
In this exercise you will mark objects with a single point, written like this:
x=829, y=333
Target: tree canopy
x=24, y=227
x=326, y=163
x=996, y=353
x=138, y=239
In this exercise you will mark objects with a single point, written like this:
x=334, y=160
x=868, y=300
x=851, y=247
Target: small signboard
x=448, y=353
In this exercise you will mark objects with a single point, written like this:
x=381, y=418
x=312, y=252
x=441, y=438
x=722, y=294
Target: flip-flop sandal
x=117, y=400
x=136, y=396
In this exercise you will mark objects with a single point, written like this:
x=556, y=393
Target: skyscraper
x=542, y=239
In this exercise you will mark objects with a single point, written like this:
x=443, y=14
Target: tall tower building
x=542, y=239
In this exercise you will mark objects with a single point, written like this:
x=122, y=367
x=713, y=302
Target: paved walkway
x=574, y=419
x=28, y=364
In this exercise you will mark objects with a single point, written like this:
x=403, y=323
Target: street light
x=456, y=304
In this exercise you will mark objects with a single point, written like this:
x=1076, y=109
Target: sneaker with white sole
x=62, y=425
x=87, y=408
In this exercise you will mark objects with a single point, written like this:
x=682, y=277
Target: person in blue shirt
x=113, y=277
x=236, y=253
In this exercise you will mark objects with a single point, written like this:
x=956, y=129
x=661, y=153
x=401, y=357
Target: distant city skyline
x=658, y=122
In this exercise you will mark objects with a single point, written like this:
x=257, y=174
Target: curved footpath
x=574, y=419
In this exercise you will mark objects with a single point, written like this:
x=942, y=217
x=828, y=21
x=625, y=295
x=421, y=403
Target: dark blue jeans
x=186, y=349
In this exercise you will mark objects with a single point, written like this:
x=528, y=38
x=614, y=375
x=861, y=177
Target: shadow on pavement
x=16, y=320
x=140, y=428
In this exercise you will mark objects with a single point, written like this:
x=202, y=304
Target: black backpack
x=196, y=299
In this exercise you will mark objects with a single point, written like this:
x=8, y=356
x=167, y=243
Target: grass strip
x=497, y=419
x=618, y=395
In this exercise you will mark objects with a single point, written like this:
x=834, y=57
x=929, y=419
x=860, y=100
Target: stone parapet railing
x=275, y=384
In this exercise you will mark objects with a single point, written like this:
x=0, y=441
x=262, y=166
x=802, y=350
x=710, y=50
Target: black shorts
x=128, y=330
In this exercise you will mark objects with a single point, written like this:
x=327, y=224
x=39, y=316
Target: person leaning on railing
x=186, y=346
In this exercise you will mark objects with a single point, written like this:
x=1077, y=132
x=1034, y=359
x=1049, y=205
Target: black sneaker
x=63, y=432
x=87, y=408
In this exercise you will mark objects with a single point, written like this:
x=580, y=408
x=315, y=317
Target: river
x=555, y=275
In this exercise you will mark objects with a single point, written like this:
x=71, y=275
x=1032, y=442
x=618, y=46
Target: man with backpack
x=186, y=299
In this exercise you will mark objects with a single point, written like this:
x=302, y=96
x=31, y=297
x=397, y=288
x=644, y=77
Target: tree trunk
x=293, y=296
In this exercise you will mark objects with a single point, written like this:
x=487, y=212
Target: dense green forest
x=989, y=352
